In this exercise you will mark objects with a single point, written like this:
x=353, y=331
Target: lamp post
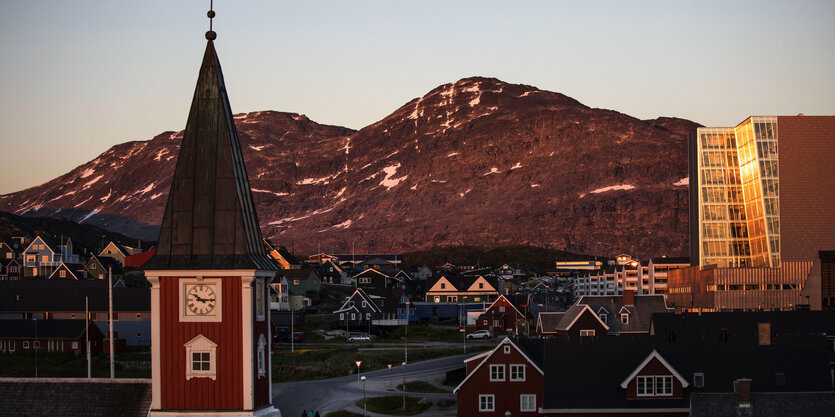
x=404, y=385
x=364, y=400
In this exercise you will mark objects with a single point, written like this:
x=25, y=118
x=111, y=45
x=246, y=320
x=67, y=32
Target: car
x=360, y=338
x=479, y=334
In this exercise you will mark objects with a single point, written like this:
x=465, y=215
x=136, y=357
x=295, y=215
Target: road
x=341, y=393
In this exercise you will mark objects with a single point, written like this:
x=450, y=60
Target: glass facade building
x=737, y=208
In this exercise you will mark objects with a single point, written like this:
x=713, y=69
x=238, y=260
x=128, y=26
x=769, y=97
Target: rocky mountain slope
x=476, y=162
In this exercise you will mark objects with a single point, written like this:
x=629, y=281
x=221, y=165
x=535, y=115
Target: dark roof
x=534, y=348
x=575, y=368
x=58, y=295
x=302, y=273
x=827, y=255
x=210, y=220
x=107, y=261
x=59, y=329
x=743, y=325
x=550, y=320
x=25, y=397
x=776, y=404
x=640, y=314
x=671, y=260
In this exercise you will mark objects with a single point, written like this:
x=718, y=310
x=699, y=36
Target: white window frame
x=497, y=373
x=74, y=345
x=604, y=318
x=587, y=332
x=353, y=316
x=368, y=316
x=649, y=383
x=527, y=402
x=486, y=402
x=501, y=309
x=26, y=344
x=624, y=318
x=698, y=379
x=519, y=370
x=11, y=346
x=341, y=316
x=201, y=345
x=507, y=349
x=496, y=323
x=36, y=344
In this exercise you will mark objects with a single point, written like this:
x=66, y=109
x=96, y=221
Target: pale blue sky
x=80, y=76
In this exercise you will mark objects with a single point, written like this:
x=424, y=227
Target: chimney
x=742, y=388
x=629, y=297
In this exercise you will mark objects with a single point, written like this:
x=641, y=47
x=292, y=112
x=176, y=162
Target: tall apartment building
x=762, y=207
x=613, y=280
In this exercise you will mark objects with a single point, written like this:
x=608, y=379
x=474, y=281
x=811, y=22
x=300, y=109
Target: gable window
x=497, y=372
x=443, y=286
x=62, y=273
x=93, y=266
x=604, y=318
x=481, y=285
x=698, y=379
x=587, y=332
x=517, y=372
x=527, y=402
x=507, y=349
x=624, y=318
x=486, y=402
x=657, y=386
x=501, y=309
x=201, y=358
x=364, y=304
x=485, y=322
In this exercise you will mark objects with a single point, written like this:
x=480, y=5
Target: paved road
x=341, y=393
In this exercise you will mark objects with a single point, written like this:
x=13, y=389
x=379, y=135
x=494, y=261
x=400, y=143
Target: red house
x=501, y=316
x=49, y=336
x=507, y=378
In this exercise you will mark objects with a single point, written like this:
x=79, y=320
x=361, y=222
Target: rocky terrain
x=476, y=162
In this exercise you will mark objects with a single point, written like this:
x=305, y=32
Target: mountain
x=477, y=162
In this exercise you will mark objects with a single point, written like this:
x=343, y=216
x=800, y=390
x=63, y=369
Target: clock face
x=201, y=299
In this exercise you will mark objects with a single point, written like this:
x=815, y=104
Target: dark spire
x=210, y=220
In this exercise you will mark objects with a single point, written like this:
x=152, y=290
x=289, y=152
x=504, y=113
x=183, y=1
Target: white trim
x=509, y=302
x=491, y=352
x=612, y=410
x=156, y=352
x=585, y=307
x=497, y=366
x=492, y=398
x=247, y=325
x=656, y=355
x=480, y=355
x=203, y=345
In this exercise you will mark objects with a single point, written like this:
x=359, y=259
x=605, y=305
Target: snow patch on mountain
x=107, y=197
x=517, y=166
x=93, y=181
x=388, y=181
x=87, y=172
x=62, y=196
x=156, y=196
x=344, y=225
x=310, y=181
x=162, y=152
x=90, y=214
x=612, y=188
x=257, y=148
x=492, y=170
x=452, y=154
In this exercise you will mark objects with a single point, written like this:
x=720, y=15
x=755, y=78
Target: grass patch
x=393, y=405
x=422, y=386
x=342, y=413
x=134, y=364
x=446, y=403
x=425, y=333
x=335, y=362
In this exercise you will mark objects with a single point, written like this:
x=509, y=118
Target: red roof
x=139, y=259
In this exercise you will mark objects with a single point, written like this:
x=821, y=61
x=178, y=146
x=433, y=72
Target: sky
x=77, y=77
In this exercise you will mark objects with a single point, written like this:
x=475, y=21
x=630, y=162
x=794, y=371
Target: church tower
x=210, y=321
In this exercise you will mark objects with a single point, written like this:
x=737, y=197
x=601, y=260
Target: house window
x=443, y=286
x=779, y=379
x=698, y=379
x=296, y=282
x=368, y=316
x=655, y=386
x=36, y=344
x=501, y=309
x=527, y=402
x=586, y=332
x=30, y=258
x=452, y=299
x=517, y=372
x=364, y=304
x=45, y=258
x=62, y=273
x=437, y=299
x=481, y=285
x=11, y=345
x=353, y=316
x=604, y=318
x=26, y=344
x=92, y=266
x=486, y=402
x=139, y=315
x=624, y=318
x=497, y=372
x=495, y=323
x=485, y=322
x=507, y=349
x=201, y=358
x=341, y=316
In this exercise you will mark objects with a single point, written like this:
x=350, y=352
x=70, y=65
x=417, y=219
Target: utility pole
x=110, y=318
x=87, y=333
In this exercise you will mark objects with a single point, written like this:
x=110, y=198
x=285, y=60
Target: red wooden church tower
x=210, y=351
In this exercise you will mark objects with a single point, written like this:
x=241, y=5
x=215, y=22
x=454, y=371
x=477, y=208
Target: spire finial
x=211, y=35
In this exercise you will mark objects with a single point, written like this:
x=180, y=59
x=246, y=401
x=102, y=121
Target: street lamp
x=364, y=400
x=404, y=386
